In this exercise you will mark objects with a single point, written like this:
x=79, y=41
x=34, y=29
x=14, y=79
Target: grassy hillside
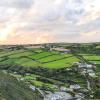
x=11, y=89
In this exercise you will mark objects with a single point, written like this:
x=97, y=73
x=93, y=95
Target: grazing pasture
x=92, y=58
x=37, y=57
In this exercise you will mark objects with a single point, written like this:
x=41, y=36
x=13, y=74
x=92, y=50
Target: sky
x=46, y=21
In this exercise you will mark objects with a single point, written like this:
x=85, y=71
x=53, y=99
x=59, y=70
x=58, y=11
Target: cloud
x=29, y=38
x=34, y=21
x=16, y=3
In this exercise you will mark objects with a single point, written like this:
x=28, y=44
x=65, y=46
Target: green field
x=47, y=70
x=61, y=63
x=42, y=58
x=92, y=58
x=37, y=57
x=7, y=53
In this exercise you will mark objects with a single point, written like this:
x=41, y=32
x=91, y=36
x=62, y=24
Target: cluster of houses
x=63, y=94
x=85, y=68
x=59, y=96
x=66, y=93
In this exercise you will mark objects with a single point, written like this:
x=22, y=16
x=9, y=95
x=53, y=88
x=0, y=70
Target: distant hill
x=11, y=89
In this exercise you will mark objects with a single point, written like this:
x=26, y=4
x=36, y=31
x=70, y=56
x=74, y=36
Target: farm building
x=75, y=86
x=62, y=50
x=86, y=68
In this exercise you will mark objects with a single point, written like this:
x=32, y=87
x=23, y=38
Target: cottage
x=88, y=66
x=83, y=72
x=22, y=79
x=90, y=71
x=81, y=65
x=62, y=88
x=92, y=74
x=75, y=86
x=33, y=87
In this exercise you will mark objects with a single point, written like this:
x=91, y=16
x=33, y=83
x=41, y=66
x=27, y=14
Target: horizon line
x=50, y=43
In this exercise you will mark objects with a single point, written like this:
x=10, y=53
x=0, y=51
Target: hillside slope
x=11, y=89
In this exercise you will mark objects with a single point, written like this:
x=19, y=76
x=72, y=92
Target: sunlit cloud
x=40, y=21
x=4, y=33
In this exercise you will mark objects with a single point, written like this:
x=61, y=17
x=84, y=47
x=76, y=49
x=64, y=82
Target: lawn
x=98, y=46
x=41, y=84
x=21, y=61
x=44, y=59
x=54, y=57
x=7, y=62
x=42, y=54
x=67, y=62
x=93, y=58
x=90, y=57
x=26, y=53
x=27, y=62
x=98, y=70
x=8, y=53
